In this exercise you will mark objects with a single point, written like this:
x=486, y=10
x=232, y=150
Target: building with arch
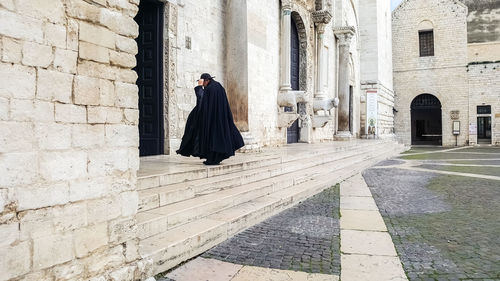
x=446, y=55
x=87, y=87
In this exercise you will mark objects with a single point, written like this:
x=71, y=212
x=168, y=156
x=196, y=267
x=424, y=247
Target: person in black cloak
x=210, y=131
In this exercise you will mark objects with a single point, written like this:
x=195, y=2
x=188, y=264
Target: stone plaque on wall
x=455, y=114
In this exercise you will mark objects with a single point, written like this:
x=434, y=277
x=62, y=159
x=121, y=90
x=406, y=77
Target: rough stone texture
x=303, y=238
x=59, y=214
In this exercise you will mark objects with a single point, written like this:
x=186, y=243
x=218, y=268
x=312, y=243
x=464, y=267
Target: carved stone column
x=321, y=19
x=344, y=34
x=286, y=25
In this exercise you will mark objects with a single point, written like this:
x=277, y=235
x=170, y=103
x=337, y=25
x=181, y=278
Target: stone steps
x=158, y=220
x=161, y=196
x=169, y=247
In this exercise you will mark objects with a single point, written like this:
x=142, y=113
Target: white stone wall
x=69, y=142
x=201, y=22
x=442, y=75
x=484, y=89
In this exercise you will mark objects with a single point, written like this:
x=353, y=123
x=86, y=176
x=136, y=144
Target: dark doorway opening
x=426, y=122
x=484, y=130
x=150, y=76
x=292, y=132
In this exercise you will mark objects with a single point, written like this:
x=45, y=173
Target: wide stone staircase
x=186, y=208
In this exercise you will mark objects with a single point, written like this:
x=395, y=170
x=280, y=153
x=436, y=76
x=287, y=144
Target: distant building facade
x=446, y=58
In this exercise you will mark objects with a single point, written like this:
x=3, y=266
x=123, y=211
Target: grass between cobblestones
x=491, y=171
x=452, y=234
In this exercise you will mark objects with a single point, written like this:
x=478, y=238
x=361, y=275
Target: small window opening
x=426, y=40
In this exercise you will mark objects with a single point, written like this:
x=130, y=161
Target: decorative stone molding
x=321, y=121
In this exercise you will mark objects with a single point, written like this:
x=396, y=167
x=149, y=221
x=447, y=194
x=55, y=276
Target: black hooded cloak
x=210, y=131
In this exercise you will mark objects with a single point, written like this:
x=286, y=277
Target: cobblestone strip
x=367, y=251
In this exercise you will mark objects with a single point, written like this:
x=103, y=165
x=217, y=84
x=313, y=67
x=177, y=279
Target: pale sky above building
x=394, y=4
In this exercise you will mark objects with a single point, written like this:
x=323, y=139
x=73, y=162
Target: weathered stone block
x=90, y=238
x=107, y=92
x=18, y=168
x=131, y=116
x=83, y=10
x=44, y=111
x=85, y=189
x=53, y=135
x=94, y=69
x=122, y=230
x=35, y=197
x=65, y=60
x=103, y=261
x=126, y=75
x=127, y=95
x=86, y=90
x=20, y=27
x=70, y=217
x=93, y=52
x=47, y=10
x=17, y=81
x=87, y=136
x=132, y=250
x=54, y=86
x=70, y=113
x=122, y=135
x=16, y=137
x=102, y=210
x=70, y=271
x=97, y=35
x=21, y=110
x=119, y=23
x=12, y=50
x=122, y=59
x=123, y=274
x=55, y=35
x=104, y=115
x=15, y=261
x=63, y=165
x=35, y=54
x=52, y=250
x=36, y=223
x=126, y=44
x=72, y=35
x=8, y=4
x=130, y=202
x=9, y=233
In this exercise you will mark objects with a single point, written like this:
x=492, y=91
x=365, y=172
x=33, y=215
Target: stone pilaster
x=344, y=35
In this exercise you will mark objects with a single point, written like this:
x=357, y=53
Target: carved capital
x=344, y=34
x=321, y=18
x=286, y=6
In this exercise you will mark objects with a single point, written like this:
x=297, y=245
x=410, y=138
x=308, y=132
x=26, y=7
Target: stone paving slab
x=251, y=273
x=362, y=220
x=201, y=269
x=373, y=268
x=367, y=243
x=358, y=203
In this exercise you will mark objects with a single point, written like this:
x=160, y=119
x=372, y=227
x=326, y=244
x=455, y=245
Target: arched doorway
x=292, y=132
x=426, y=123
x=150, y=76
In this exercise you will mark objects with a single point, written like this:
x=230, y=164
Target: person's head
x=207, y=78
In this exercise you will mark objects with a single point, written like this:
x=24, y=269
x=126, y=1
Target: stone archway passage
x=150, y=76
x=426, y=122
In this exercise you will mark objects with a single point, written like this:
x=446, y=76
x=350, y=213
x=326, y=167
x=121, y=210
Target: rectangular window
x=484, y=109
x=426, y=40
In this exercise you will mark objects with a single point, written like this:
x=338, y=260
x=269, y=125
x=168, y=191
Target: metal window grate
x=484, y=109
x=426, y=40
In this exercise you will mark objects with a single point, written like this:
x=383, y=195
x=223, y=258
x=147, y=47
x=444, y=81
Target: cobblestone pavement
x=492, y=171
x=444, y=227
x=303, y=238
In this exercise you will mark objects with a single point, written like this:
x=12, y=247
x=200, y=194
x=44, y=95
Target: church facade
x=446, y=72
x=87, y=87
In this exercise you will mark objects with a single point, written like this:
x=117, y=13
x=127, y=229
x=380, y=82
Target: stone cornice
x=321, y=17
x=337, y=30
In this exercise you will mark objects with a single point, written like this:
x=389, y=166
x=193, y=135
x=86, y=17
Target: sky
x=394, y=4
